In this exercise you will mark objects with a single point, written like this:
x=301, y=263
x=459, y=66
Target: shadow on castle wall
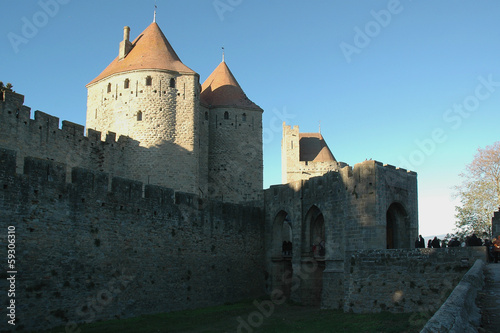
x=99, y=247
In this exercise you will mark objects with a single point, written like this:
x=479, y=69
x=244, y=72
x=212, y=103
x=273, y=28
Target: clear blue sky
x=381, y=76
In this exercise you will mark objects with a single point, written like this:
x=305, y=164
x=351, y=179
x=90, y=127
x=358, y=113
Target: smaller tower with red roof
x=235, y=166
x=304, y=155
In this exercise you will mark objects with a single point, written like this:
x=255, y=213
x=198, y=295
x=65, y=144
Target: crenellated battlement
x=402, y=170
x=42, y=137
x=93, y=188
x=360, y=175
x=14, y=113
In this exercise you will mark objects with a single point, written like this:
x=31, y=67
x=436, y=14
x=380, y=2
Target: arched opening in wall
x=397, y=227
x=282, y=233
x=149, y=81
x=286, y=235
x=313, y=233
x=139, y=116
x=226, y=115
x=318, y=236
x=314, y=243
x=126, y=84
x=244, y=117
x=109, y=87
x=206, y=115
x=281, y=255
x=172, y=83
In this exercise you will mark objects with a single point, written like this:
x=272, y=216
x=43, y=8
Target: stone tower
x=304, y=155
x=235, y=164
x=150, y=96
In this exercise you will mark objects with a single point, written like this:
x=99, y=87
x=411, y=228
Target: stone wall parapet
x=405, y=280
x=460, y=313
x=18, y=116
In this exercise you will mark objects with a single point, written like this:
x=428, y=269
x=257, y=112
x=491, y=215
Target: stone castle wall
x=163, y=116
x=416, y=280
x=102, y=247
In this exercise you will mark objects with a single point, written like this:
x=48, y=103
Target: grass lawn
x=283, y=318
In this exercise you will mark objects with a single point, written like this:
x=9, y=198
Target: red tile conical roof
x=222, y=89
x=313, y=148
x=150, y=50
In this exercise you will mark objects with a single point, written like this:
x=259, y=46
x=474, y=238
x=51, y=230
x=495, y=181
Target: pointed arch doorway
x=313, y=256
x=397, y=227
x=282, y=251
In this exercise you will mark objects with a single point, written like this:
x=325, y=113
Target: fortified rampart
x=98, y=238
x=98, y=247
x=368, y=206
x=94, y=244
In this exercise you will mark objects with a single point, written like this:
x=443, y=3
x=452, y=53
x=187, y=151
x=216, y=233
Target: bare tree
x=479, y=192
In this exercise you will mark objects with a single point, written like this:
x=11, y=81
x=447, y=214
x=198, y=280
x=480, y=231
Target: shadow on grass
x=286, y=318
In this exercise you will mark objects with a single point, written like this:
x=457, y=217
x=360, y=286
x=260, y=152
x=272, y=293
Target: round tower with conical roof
x=150, y=96
x=235, y=164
